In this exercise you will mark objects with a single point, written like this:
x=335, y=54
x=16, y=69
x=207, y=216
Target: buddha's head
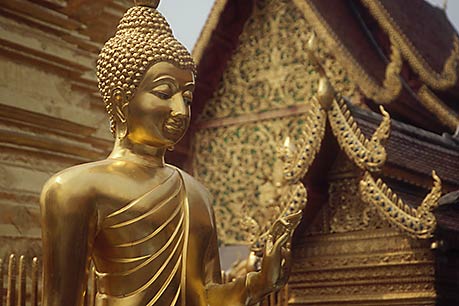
x=146, y=78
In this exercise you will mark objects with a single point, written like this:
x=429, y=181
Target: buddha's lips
x=176, y=124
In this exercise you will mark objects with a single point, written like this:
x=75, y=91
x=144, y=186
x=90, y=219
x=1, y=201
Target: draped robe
x=140, y=251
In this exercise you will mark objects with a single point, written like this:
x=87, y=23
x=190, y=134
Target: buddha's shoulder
x=78, y=172
x=90, y=179
x=68, y=189
x=197, y=193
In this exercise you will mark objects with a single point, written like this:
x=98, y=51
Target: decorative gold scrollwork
x=392, y=83
x=332, y=47
x=367, y=154
x=419, y=223
x=292, y=203
x=292, y=193
x=436, y=106
x=296, y=166
x=440, y=80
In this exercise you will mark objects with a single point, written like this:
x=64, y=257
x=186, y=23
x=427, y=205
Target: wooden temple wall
x=51, y=116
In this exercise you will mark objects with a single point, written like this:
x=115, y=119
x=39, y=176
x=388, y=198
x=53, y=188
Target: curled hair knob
x=150, y=3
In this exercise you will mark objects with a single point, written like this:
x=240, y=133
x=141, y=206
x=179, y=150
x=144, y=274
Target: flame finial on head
x=150, y=3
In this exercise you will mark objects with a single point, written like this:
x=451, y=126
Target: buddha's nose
x=179, y=106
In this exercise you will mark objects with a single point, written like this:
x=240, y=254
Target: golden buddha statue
x=147, y=226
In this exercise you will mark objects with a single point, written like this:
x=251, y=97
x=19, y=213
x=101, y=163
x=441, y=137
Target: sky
x=187, y=17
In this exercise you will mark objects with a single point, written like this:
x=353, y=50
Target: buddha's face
x=159, y=113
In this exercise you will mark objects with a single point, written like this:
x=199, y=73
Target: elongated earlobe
x=120, y=108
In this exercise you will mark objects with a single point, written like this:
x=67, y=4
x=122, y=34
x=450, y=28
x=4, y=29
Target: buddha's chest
x=165, y=227
x=156, y=243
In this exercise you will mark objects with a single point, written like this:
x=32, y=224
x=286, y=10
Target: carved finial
x=150, y=3
x=325, y=93
x=445, y=5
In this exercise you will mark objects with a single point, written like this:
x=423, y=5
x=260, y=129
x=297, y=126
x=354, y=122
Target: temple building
x=256, y=86
x=373, y=231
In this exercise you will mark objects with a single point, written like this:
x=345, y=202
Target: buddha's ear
x=120, y=103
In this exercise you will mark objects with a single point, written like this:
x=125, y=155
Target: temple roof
x=401, y=54
x=447, y=215
x=412, y=152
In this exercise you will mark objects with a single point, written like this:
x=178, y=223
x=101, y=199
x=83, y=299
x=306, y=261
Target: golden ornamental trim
x=297, y=165
x=419, y=223
x=391, y=86
x=367, y=154
x=433, y=104
x=297, y=160
x=444, y=80
x=208, y=29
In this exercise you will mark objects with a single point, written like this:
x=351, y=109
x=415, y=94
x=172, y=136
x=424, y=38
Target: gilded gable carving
x=269, y=71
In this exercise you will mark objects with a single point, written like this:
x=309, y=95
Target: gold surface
x=419, y=223
x=56, y=120
x=333, y=52
x=237, y=137
x=247, y=154
x=136, y=46
x=270, y=68
x=366, y=154
x=363, y=267
x=147, y=226
x=370, y=156
x=288, y=194
x=268, y=93
x=22, y=283
x=150, y=3
x=345, y=211
x=208, y=29
x=11, y=281
x=353, y=254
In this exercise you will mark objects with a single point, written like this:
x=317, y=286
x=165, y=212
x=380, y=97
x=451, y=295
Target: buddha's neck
x=142, y=154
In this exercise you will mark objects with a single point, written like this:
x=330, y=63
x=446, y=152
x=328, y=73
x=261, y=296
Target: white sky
x=187, y=17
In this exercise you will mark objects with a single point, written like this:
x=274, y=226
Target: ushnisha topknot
x=143, y=38
x=151, y=3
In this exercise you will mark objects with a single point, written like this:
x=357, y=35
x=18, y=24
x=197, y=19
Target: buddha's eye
x=163, y=91
x=188, y=97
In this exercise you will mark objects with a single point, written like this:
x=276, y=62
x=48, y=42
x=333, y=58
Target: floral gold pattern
x=291, y=194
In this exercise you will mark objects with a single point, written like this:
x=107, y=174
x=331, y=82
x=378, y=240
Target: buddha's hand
x=276, y=265
x=277, y=261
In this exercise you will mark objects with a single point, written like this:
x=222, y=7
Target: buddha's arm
x=68, y=228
